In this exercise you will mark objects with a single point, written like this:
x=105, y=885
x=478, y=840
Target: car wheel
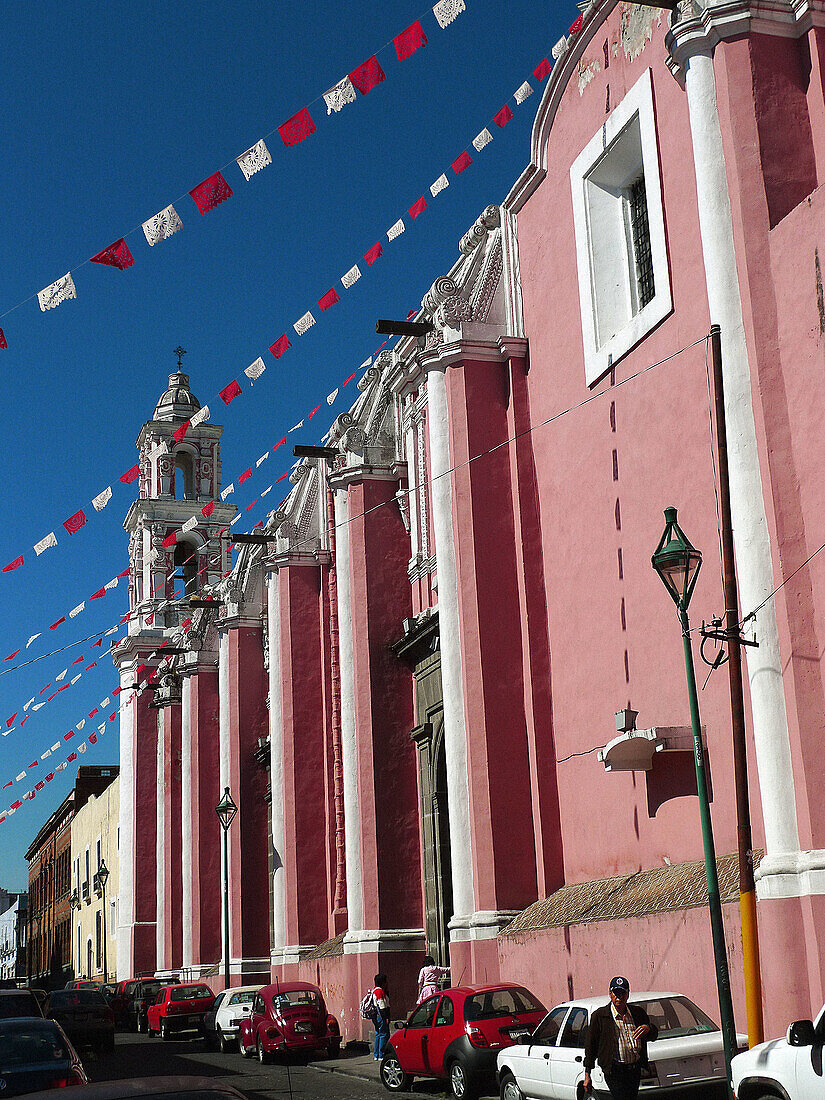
x=263, y=1057
x=140, y=1025
x=109, y=1045
x=223, y=1042
x=509, y=1089
x=334, y=1049
x=246, y=1052
x=460, y=1087
x=164, y=1031
x=393, y=1077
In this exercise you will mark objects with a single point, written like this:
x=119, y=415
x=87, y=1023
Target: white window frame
x=600, y=357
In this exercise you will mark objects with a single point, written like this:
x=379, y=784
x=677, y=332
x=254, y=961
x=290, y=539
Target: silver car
x=687, y=1054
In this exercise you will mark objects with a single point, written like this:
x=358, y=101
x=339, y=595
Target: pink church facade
x=410, y=690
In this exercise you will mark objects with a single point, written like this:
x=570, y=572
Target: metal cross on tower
x=180, y=352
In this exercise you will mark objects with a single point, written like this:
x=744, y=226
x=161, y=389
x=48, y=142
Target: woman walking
x=381, y=999
x=429, y=978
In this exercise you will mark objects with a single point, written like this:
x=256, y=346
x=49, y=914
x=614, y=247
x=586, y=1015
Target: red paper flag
x=98, y=642
x=112, y=716
x=72, y=756
x=23, y=721
x=92, y=738
x=260, y=523
x=208, y=509
x=280, y=443
x=77, y=660
x=96, y=596
x=503, y=116
x=116, y=691
x=11, y=656
x=92, y=665
x=3, y=343
x=366, y=76
x=34, y=764
x=180, y=432
x=10, y=721
x=13, y=564
x=54, y=626
x=229, y=392
x=409, y=40
x=116, y=255
x=46, y=688
x=64, y=688
x=245, y=476
x=373, y=253
x=250, y=506
x=348, y=380
x=418, y=207
x=211, y=193
x=281, y=345
x=295, y=129
x=314, y=411
x=462, y=162
x=186, y=624
x=9, y=784
x=75, y=522
x=542, y=69
x=92, y=713
x=281, y=478
x=39, y=786
x=16, y=805
x=50, y=777
x=170, y=540
x=577, y=26
x=130, y=475
x=125, y=572
x=68, y=736
x=329, y=299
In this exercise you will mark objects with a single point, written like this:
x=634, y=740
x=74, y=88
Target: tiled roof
x=327, y=948
x=661, y=890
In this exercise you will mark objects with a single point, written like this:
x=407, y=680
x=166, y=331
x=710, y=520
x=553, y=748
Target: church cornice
x=172, y=511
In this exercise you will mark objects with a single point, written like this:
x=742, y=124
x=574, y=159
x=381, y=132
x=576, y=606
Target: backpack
x=368, y=1008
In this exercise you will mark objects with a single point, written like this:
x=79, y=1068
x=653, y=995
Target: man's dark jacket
x=602, y=1044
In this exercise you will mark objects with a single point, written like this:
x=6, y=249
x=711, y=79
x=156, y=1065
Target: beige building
x=95, y=843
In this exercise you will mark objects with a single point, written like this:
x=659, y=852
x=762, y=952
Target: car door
x=531, y=1061
x=567, y=1062
x=413, y=1047
x=808, y=1062
x=440, y=1035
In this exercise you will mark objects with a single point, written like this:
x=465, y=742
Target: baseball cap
x=619, y=984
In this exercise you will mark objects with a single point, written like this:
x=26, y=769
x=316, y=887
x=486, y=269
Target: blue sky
x=115, y=110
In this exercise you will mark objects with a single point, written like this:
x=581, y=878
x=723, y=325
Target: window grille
x=640, y=234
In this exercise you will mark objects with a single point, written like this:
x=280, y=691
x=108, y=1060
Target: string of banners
x=305, y=322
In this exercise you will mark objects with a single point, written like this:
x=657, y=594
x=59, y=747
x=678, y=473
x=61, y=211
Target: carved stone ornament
x=489, y=219
x=339, y=427
x=355, y=438
x=455, y=310
x=443, y=288
x=403, y=499
x=371, y=375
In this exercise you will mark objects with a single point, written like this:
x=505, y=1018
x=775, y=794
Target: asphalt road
x=351, y=1077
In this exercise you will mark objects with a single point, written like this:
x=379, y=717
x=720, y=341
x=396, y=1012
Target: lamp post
x=226, y=810
x=102, y=878
x=678, y=562
x=75, y=903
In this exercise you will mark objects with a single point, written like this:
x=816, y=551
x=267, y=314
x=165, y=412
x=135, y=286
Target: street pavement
x=353, y=1076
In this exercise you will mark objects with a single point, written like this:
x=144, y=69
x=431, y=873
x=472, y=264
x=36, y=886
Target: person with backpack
x=381, y=1021
x=429, y=978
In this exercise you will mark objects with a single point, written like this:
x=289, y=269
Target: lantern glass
x=677, y=561
x=226, y=809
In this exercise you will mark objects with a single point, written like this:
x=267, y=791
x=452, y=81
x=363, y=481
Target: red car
x=289, y=1016
x=456, y=1035
x=179, y=1008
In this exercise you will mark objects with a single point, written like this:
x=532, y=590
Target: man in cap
x=617, y=1039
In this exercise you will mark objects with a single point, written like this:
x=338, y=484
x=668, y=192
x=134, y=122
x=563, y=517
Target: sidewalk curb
x=341, y=1068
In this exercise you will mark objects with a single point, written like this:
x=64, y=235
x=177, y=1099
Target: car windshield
x=296, y=998
x=190, y=993
x=29, y=1043
x=499, y=1002
x=676, y=1016
x=76, y=998
x=149, y=989
x=244, y=998
x=19, y=1004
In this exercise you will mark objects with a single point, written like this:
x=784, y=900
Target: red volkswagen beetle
x=289, y=1016
x=456, y=1035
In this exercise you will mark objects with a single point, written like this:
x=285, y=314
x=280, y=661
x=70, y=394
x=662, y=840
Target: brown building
x=49, y=857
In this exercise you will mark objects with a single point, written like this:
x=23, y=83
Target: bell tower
x=175, y=551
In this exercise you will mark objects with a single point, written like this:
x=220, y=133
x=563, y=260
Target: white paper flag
x=102, y=499
x=441, y=184
x=33, y=637
x=482, y=139
x=55, y=746
x=105, y=702
x=45, y=543
x=60, y=676
x=445, y=11
x=304, y=323
x=255, y=370
x=62, y=766
x=112, y=583
x=340, y=95
x=159, y=449
x=351, y=277
x=81, y=747
x=331, y=397
x=190, y=524
x=27, y=705
x=266, y=490
x=199, y=417
x=229, y=489
x=37, y=706
x=522, y=93
x=111, y=630
x=81, y=723
x=263, y=458
x=76, y=610
x=102, y=727
x=295, y=427
x=366, y=363
x=162, y=225
x=46, y=754
x=254, y=159
x=559, y=48
x=17, y=778
x=232, y=522
x=58, y=292
x=396, y=230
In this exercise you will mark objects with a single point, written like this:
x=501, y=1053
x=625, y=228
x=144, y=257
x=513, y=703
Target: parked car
x=222, y=1023
x=85, y=1017
x=35, y=1054
x=790, y=1067
x=19, y=1002
x=82, y=983
x=40, y=996
x=149, y=1088
x=288, y=1016
x=456, y=1034
x=179, y=1008
x=121, y=1001
x=687, y=1056
x=144, y=993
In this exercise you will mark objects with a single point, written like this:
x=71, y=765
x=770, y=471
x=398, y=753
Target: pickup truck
x=784, y=1069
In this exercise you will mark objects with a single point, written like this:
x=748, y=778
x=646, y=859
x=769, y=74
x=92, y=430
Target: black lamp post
x=226, y=810
x=102, y=877
x=678, y=562
x=75, y=903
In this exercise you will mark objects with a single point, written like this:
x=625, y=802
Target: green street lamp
x=102, y=877
x=677, y=562
x=226, y=810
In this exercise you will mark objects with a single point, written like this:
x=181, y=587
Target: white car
x=230, y=1006
x=686, y=1057
x=790, y=1068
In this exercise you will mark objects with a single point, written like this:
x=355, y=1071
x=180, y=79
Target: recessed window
x=624, y=280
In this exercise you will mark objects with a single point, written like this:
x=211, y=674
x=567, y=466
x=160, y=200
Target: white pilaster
x=223, y=746
x=750, y=524
x=126, y=878
x=276, y=764
x=455, y=730
x=186, y=817
x=161, y=853
x=349, y=752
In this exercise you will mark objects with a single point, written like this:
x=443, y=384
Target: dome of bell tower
x=178, y=402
